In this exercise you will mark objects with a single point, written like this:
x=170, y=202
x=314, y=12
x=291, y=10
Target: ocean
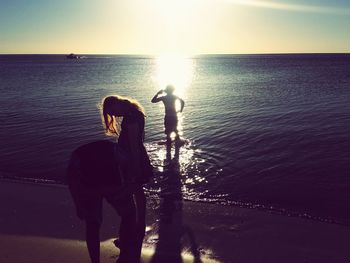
x=265, y=132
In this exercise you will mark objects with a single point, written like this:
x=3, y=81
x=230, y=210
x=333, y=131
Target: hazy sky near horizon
x=174, y=26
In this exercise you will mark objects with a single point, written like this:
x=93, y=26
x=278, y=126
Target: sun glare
x=174, y=70
x=291, y=7
x=175, y=9
x=177, y=19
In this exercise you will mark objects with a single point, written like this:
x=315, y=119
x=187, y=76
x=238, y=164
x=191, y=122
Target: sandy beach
x=38, y=224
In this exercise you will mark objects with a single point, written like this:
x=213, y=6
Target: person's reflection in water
x=171, y=228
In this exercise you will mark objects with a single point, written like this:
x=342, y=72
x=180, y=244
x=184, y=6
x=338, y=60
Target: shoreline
x=233, y=204
x=38, y=224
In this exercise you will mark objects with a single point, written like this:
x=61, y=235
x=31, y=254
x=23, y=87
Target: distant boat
x=73, y=56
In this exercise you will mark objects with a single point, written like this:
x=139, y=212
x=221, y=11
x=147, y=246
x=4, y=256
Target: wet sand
x=38, y=224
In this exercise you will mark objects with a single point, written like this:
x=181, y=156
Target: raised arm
x=156, y=99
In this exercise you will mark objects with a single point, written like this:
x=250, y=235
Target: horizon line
x=193, y=55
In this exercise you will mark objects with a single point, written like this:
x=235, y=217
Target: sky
x=186, y=27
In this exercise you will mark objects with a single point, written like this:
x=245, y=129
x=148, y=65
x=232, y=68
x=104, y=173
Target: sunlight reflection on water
x=185, y=165
x=175, y=70
x=179, y=72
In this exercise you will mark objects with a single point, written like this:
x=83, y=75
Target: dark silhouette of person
x=115, y=172
x=170, y=119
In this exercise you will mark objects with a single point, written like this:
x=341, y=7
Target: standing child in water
x=170, y=119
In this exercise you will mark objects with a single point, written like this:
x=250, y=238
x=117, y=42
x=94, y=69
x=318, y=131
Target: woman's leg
x=140, y=204
x=127, y=240
x=93, y=240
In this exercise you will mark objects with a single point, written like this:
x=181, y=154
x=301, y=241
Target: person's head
x=169, y=89
x=115, y=107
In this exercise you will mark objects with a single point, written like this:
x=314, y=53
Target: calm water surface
x=266, y=131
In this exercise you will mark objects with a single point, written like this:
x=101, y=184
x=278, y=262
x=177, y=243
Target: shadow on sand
x=170, y=228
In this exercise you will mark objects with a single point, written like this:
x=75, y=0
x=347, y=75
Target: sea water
x=261, y=131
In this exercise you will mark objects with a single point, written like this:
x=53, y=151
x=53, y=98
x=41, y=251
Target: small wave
x=7, y=177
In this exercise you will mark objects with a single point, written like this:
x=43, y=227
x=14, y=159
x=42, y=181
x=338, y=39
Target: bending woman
x=124, y=118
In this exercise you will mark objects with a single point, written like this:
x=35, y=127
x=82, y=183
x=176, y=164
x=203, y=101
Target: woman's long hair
x=112, y=123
